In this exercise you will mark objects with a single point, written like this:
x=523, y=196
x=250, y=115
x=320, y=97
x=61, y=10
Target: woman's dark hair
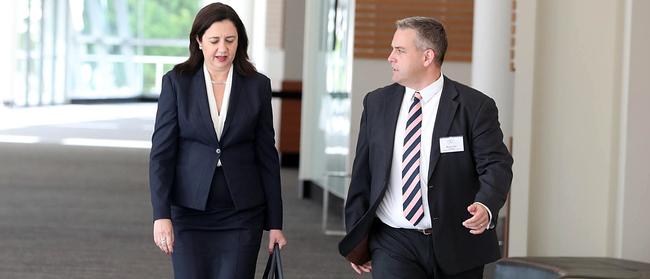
x=204, y=19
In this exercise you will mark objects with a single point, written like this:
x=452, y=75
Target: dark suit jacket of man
x=482, y=172
x=185, y=149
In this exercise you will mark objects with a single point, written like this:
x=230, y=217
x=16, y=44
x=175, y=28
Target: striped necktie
x=411, y=194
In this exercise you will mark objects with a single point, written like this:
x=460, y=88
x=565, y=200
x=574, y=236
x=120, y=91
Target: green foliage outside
x=163, y=19
x=149, y=19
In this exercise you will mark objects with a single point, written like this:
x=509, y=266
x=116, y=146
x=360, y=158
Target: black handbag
x=273, y=268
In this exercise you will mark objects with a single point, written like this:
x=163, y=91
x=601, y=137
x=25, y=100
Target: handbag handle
x=278, y=262
x=273, y=267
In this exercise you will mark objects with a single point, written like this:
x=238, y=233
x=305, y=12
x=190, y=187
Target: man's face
x=405, y=59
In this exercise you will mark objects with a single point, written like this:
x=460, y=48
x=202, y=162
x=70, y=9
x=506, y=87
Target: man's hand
x=366, y=267
x=480, y=221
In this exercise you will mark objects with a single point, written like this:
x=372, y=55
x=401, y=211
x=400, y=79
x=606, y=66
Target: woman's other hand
x=163, y=235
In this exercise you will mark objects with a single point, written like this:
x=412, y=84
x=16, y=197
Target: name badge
x=451, y=144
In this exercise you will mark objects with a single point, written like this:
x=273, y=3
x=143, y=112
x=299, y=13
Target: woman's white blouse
x=218, y=118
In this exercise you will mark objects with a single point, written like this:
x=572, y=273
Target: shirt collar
x=429, y=91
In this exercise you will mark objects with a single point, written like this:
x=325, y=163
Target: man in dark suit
x=431, y=171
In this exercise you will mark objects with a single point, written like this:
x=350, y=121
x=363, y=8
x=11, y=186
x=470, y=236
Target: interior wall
x=274, y=54
x=294, y=22
x=574, y=127
x=524, y=77
x=635, y=243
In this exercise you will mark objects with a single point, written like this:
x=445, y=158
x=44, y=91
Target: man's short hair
x=430, y=34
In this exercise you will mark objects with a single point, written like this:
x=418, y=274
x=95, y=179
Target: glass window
x=94, y=49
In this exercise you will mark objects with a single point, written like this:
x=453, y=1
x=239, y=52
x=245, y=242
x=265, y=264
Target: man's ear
x=429, y=57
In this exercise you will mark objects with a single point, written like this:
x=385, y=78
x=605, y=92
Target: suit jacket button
x=430, y=186
x=218, y=151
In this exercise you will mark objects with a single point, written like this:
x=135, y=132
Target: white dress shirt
x=390, y=210
x=218, y=117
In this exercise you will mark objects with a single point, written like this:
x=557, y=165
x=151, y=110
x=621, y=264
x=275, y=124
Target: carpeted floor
x=83, y=212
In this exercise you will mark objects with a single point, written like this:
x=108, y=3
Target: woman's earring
x=200, y=47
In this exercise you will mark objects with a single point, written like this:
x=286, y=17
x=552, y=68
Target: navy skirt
x=220, y=242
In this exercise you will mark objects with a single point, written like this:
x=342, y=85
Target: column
x=491, y=56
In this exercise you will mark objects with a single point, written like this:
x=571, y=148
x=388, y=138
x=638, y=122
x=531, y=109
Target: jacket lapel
x=236, y=90
x=392, y=105
x=444, y=117
x=200, y=95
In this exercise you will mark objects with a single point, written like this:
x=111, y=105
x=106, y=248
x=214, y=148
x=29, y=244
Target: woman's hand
x=276, y=236
x=163, y=235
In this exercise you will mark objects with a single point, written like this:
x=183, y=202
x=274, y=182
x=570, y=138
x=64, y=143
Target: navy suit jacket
x=185, y=149
x=482, y=173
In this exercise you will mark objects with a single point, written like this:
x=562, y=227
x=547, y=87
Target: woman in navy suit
x=214, y=171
